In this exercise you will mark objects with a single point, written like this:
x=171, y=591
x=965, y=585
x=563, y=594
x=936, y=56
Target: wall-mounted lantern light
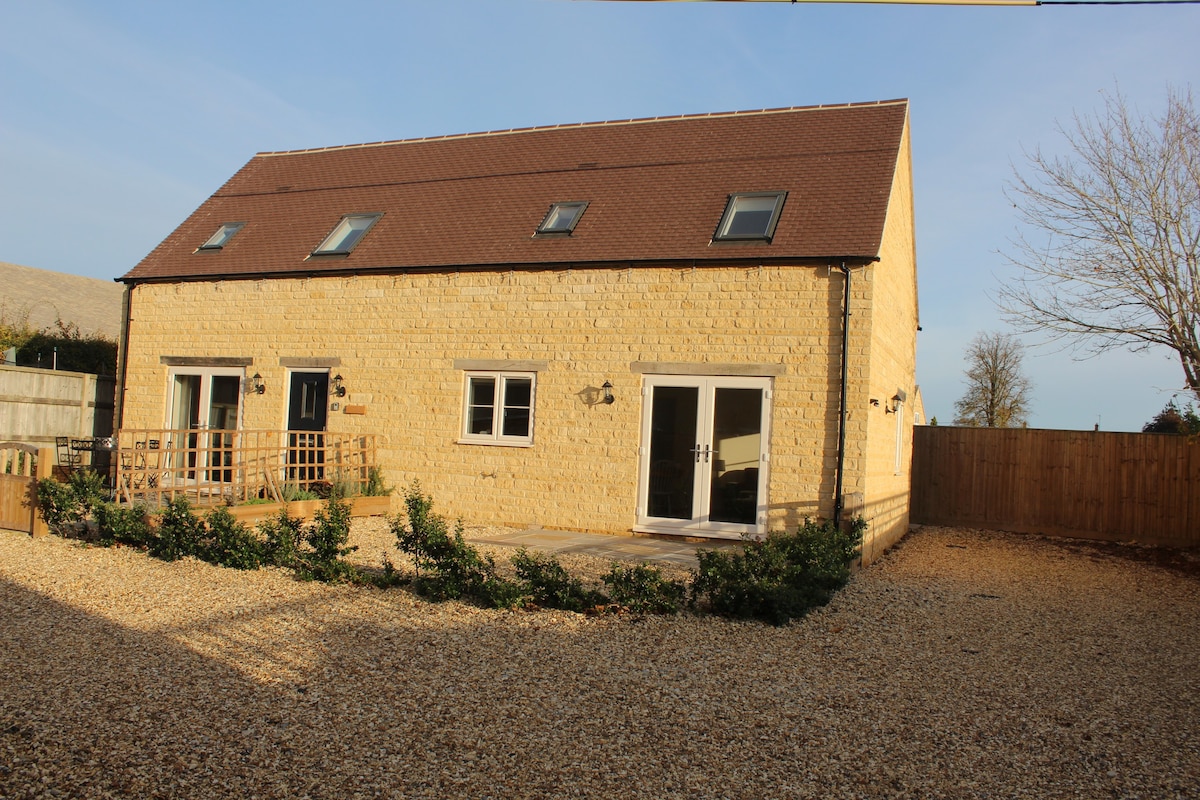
x=608, y=395
x=338, y=388
x=896, y=400
x=257, y=385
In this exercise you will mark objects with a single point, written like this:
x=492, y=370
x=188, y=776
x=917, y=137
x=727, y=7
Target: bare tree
x=1114, y=262
x=997, y=391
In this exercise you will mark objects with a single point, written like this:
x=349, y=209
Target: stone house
x=697, y=325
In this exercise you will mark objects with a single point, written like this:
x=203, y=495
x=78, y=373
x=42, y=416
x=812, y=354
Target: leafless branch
x=1114, y=258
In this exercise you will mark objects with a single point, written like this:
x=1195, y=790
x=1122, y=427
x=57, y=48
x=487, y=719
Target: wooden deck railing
x=215, y=467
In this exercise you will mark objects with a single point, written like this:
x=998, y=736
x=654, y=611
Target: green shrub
x=58, y=504
x=548, y=584
x=282, y=535
x=292, y=492
x=387, y=577
x=781, y=577
x=375, y=486
x=447, y=568
x=643, y=590
x=342, y=484
x=229, y=543
x=180, y=532
x=326, y=539
x=123, y=525
x=64, y=504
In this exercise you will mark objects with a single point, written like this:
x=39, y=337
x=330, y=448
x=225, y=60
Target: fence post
x=45, y=468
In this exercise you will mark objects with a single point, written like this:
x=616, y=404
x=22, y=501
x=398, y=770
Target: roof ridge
x=597, y=124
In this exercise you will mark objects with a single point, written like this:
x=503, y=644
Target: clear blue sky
x=118, y=118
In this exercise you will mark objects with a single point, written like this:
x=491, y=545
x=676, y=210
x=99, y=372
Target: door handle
x=705, y=451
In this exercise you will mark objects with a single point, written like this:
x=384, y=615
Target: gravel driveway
x=963, y=664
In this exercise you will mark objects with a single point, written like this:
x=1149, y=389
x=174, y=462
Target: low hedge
x=773, y=580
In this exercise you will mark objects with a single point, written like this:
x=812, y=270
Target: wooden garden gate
x=21, y=465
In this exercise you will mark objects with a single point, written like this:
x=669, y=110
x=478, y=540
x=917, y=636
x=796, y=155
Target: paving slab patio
x=616, y=547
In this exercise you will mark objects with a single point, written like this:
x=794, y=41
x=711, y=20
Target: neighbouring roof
x=655, y=191
x=41, y=298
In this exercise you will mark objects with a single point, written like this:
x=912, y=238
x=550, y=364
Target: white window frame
x=206, y=375
x=497, y=437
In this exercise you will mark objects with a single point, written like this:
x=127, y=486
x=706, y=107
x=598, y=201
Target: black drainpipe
x=841, y=454
x=123, y=358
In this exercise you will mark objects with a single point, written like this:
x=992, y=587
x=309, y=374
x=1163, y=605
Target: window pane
x=482, y=400
x=483, y=391
x=480, y=420
x=751, y=216
x=347, y=234
x=516, y=421
x=222, y=236
x=308, y=400
x=562, y=218
x=517, y=392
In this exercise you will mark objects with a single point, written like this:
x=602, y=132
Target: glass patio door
x=205, y=406
x=704, y=455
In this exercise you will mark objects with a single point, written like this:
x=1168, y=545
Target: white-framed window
x=498, y=407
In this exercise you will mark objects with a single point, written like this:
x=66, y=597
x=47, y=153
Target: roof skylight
x=346, y=235
x=750, y=216
x=561, y=219
x=222, y=236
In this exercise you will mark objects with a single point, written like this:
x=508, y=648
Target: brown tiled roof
x=656, y=190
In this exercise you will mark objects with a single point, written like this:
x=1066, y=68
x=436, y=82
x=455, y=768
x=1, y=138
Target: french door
x=704, y=455
x=206, y=403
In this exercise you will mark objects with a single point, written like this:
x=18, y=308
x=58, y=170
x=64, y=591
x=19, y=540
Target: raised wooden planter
x=306, y=509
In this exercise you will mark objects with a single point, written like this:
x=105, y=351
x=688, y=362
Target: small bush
x=292, y=492
x=342, y=484
x=643, y=590
x=229, y=543
x=180, y=532
x=548, y=584
x=123, y=525
x=447, y=568
x=781, y=577
x=387, y=577
x=282, y=535
x=64, y=504
x=326, y=538
x=375, y=486
x=57, y=504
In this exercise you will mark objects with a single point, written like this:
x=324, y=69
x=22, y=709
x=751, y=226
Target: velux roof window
x=750, y=216
x=222, y=236
x=561, y=219
x=346, y=235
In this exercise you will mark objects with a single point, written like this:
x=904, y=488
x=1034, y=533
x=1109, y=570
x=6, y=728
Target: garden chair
x=68, y=458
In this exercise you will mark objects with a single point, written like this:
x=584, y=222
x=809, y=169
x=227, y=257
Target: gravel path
x=963, y=664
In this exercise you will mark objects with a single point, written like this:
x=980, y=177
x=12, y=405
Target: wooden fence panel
x=1113, y=486
x=36, y=405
